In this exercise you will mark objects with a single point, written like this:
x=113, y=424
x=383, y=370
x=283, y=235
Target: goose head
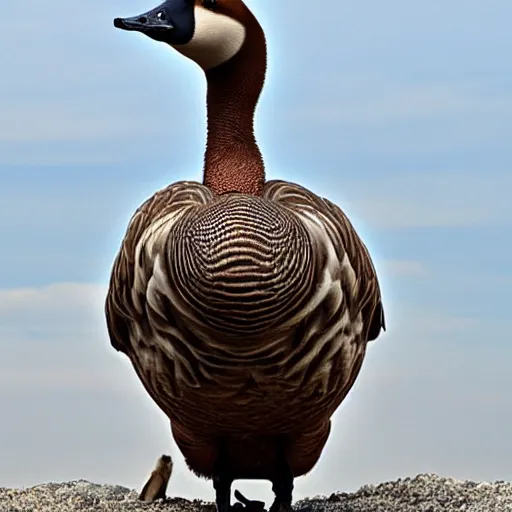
x=209, y=32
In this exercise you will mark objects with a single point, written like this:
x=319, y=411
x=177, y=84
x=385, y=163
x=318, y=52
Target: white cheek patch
x=217, y=38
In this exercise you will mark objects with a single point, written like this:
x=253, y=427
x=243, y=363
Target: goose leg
x=222, y=486
x=282, y=486
x=222, y=481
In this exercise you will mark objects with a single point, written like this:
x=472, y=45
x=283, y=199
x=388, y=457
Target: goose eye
x=161, y=15
x=209, y=4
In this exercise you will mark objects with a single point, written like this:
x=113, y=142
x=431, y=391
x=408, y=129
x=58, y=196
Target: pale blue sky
x=401, y=113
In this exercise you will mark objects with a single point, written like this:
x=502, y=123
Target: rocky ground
x=424, y=493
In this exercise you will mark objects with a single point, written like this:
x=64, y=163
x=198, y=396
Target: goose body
x=244, y=305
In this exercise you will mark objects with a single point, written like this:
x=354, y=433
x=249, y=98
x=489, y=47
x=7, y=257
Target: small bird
x=244, y=305
x=156, y=485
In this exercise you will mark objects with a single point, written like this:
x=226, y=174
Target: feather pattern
x=254, y=310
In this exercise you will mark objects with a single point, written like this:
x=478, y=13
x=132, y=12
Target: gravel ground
x=424, y=493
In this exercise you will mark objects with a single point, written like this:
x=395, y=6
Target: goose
x=245, y=305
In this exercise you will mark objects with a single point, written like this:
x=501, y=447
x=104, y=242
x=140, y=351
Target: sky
x=398, y=111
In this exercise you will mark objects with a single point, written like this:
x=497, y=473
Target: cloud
x=428, y=399
x=52, y=333
x=384, y=103
x=428, y=199
x=405, y=268
x=69, y=121
x=396, y=124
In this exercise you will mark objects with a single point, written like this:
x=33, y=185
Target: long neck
x=233, y=162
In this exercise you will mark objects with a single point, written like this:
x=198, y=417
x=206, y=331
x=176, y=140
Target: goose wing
x=364, y=296
x=134, y=264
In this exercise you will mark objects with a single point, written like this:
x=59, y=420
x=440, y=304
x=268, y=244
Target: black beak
x=171, y=22
x=140, y=24
x=150, y=21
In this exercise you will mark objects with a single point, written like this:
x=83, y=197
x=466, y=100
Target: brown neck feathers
x=233, y=162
